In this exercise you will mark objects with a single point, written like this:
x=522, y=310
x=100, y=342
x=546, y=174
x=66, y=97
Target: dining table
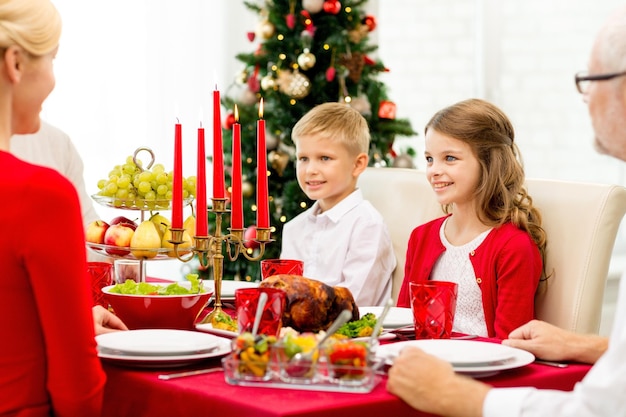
x=137, y=392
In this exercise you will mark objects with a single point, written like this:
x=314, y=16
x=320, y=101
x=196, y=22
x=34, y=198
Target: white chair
x=581, y=222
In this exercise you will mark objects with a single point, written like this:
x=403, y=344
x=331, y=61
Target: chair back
x=581, y=222
x=405, y=199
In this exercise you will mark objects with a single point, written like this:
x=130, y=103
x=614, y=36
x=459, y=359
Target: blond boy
x=342, y=239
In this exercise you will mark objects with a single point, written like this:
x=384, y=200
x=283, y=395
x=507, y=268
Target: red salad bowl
x=158, y=311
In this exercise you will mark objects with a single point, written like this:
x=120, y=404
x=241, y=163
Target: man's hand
x=429, y=384
x=549, y=342
x=105, y=322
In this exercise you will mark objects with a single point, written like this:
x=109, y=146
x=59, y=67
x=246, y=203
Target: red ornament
x=368, y=61
x=330, y=74
x=249, y=235
x=387, y=110
x=290, y=19
x=370, y=22
x=251, y=36
x=229, y=121
x=253, y=84
x=332, y=6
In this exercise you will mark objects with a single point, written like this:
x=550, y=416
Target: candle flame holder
x=211, y=249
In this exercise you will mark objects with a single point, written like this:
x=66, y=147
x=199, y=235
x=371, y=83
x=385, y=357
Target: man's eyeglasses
x=583, y=79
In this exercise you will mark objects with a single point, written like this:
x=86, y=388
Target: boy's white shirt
x=348, y=245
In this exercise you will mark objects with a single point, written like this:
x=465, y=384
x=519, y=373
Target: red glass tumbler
x=246, y=301
x=271, y=267
x=101, y=274
x=433, y=304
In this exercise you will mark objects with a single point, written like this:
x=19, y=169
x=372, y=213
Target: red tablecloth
x=135, y=393
x=138, y=392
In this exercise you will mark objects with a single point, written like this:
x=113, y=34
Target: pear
x=145, y=238
x=161, y=222
x=190, y=225
x=167, y=236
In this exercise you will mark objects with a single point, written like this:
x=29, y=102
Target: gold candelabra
x=212, y=248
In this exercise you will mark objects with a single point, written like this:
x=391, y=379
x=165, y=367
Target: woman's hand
x=105, y=322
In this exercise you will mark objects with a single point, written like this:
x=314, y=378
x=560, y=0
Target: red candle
x=201, y=204
x=218, y=150
x=262, y=197
x=177, y=186
x=236, y=197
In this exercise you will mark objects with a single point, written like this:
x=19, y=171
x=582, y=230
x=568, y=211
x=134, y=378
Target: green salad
x=362, y=327
x=145, y=288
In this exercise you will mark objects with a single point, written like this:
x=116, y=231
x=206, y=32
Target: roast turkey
x=311, y=305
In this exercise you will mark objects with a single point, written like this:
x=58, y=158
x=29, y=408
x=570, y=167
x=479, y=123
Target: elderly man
x=429, y=384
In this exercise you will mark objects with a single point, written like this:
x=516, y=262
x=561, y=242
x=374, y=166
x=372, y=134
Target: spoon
x=305, y=360
x=259, y=313
x=379, y=323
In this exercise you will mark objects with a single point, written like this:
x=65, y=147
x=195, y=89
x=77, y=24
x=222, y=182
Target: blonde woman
x=48, y=359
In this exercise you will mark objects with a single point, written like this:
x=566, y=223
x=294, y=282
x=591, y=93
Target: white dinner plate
x=229, y=287
x=466, y=356
x=397, y=316
x=223, y=348
x=208, y=328
x=157, y=342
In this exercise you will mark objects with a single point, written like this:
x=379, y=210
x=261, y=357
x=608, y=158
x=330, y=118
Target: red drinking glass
x=271, y=267
x=246, y=301
x=101, y=274
x=433, y=304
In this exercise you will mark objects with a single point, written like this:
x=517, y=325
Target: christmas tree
x=307, y=52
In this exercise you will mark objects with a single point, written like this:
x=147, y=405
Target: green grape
x=144, y=187
x=129, y=160
x=146, y=176
x=122, y=193
x=162, y=190
x=150, y=195
x=168, y=195
x=123, y=181
x=129, y=169
x=158, y=169
x=116, y=171
x=101, y=184
x=110, y=189
x=161, y=178
x=132, y=196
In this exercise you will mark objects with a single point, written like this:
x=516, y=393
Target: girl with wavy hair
x=490, y=242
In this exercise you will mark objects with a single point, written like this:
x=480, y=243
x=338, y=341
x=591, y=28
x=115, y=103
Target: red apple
x=125, y=221
x=95, y=231
x=118, y=235
x=249, y=237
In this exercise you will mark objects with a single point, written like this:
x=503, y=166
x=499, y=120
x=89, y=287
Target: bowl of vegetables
x=147, y=305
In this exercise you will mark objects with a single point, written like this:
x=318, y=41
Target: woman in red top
x=48, y=359
x=491, y=241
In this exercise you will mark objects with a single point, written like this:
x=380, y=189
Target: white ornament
x=313, y=6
